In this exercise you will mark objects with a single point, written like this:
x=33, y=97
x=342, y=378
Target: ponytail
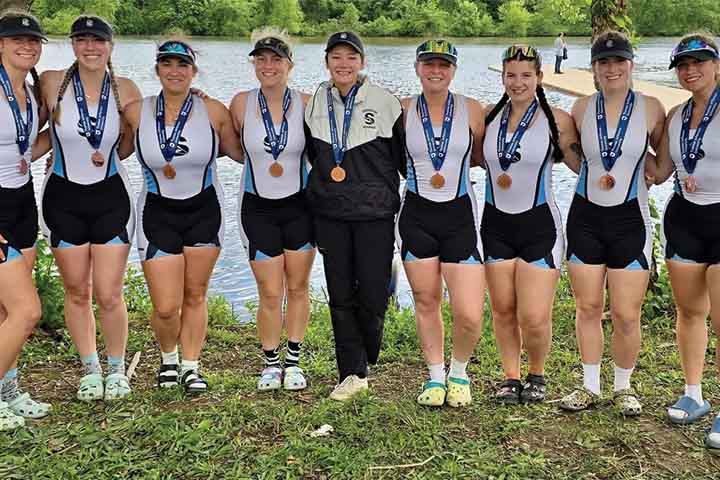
x=554, y=133
x=496, y=109
x=63, y=88
x=116, y=92
x=37, y=91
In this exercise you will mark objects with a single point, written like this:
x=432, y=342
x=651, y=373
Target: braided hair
x=542, y=100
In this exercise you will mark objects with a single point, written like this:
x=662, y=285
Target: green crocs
x=458, y=392
x=117, y=386
x=433, y=394
x=627, y=403
x=91, y=388
x=578, y=400
x=26, y=407
x=8, y=419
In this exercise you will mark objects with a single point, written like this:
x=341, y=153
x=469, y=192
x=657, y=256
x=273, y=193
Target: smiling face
x=697, y=76
x=520, y=79
x=271, y=69
x=22, y=52
x=176, y=75
x=613, y=73
x=435, y=75
x=344, y=64
x=92, y=52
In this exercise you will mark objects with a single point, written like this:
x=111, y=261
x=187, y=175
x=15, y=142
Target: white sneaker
x=351, y=386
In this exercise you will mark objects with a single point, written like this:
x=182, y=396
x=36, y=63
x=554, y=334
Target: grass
x=236, y=432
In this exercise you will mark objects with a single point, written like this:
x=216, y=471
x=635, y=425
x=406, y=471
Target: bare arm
x=237, y=116
x=42, y=145
x=663, y=162
x=130, y=123
x=476, y=117
x=568, y=140
x=223, y=125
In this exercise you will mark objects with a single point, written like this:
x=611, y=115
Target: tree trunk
x=610, y=15
x=17, y=4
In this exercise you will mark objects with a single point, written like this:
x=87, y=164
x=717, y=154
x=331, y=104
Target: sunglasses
x=178, y=48
x=693, y=45
x=437, y=46
x=522, y=52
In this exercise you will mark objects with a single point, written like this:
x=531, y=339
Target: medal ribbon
x=168, y=147
x=338, y=148
x=94, y=135
x=22, y=128
x=277, y=142
x=507, y=150
x=609, y=154
x=437, y=155
x=690, y=151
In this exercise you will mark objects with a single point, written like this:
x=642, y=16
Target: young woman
x=521, y=227
x=438, y=228
x=356, y=149
x=690, y=147
x=608, y=227
x=276, y=226
x=181, y=214
x=21, y=39
x=86, y=211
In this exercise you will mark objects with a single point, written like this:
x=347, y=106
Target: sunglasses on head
x=521, y=52
x=693, y=45
x=176, y=47
x=437, y=46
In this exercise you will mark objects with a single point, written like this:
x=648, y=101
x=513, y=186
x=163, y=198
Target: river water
x=225, y=70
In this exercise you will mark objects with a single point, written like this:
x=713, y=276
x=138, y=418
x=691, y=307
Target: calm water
x=224, y=70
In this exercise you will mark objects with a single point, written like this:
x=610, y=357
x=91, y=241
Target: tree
x=610, y=15
x=285, y=14
x=514, y=18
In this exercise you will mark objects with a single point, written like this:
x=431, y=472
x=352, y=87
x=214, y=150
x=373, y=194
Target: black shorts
x=18, y=220
x=691, y=231
x=75, y=214
x=448, y=230
x=619, y=237
x=268, y=227
x=535, y=236
x=168, y=225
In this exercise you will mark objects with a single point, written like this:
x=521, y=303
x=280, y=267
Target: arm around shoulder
x=223, y=125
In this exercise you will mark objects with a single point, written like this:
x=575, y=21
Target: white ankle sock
x=622, y=378
x=170, y=358
x=188, y=365
x=591, y=377
x=437, y=372
x=457, y=369
x=694, y=392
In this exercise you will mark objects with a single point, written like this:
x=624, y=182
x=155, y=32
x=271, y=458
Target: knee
x=271, y=299
x=588, y=311
x=691, y=314
x=78, y=296
x=109, y=301
x=504, y=314
x=467, y=322
x=625, y=323
x=26, y=316
x=427, y=303
x=194, y=298
x=298, y=292
x=533, y=323
x=167, y=313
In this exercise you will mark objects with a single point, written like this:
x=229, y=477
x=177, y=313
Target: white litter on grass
x=323, y=431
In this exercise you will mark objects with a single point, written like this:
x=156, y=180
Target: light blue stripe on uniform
x=582, y=181
x=635, y=265
x=575, y=259
x=113, y=166
x=58, y=163
x=411, y=180
x=208, y=178
x=463, y=178
x=150, y=181
x=261, y=256
x=541, y=200
x=64, y=244
x=159, y=253
x=678, y=258
x=13, y=254
x=491, y=259
x=248, y=176
x=488, y=190
x=116, y=241
x=303, y=174
x=307, y=246
x=409, y=257
x=541, y=263
x=471, y=260
x=634, y=183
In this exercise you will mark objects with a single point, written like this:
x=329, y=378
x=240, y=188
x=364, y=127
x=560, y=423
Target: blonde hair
x=272, y=32
x=68, y=78
x=15, y=13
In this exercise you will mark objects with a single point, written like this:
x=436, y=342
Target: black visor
x=273, y=44
x=21, y=26
x=90, y=25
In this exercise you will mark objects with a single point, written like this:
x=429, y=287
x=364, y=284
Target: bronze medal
x=337, y=174
x=97, y=159
x=690, y=184
x=437, y=181
x=504, y=181
x=607, y=182
x=276, y=170
x=23, y=167
x=169, y=171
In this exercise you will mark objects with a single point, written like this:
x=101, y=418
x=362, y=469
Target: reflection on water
x=225, y=70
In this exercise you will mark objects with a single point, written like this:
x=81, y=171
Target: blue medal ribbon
x=277, y=141
x=339, y=148
x=437, y=153
x=94, y=135
x=507, y=150
x=690, y=151
x=168, y=146
x=22, y=128
x=608, y=153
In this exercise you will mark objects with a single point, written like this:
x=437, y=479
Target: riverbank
x=236, y=432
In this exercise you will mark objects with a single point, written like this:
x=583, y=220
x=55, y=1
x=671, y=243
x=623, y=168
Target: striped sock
x=91, y=364
x=10, y=389
x=116, y=365
x=272, y=357
x=292, y=357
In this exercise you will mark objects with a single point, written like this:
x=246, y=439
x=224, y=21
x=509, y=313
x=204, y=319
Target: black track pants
x=357, y=257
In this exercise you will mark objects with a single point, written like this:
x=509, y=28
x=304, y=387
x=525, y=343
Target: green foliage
x=50, y=288
x=514, y=18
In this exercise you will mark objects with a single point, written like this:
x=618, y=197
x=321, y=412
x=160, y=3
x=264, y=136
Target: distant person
x=522, y=230
x=275, y=222
x=609, y=229
x=560, y=51
x=87, y=212
x=691, y=148
x=357, y=148
x=438, y=229
x=181, y=209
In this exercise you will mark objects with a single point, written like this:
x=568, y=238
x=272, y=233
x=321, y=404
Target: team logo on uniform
x=182, y=147
x=369, y=117
x=266, y=145
x=81, y=129
x=26, y=22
